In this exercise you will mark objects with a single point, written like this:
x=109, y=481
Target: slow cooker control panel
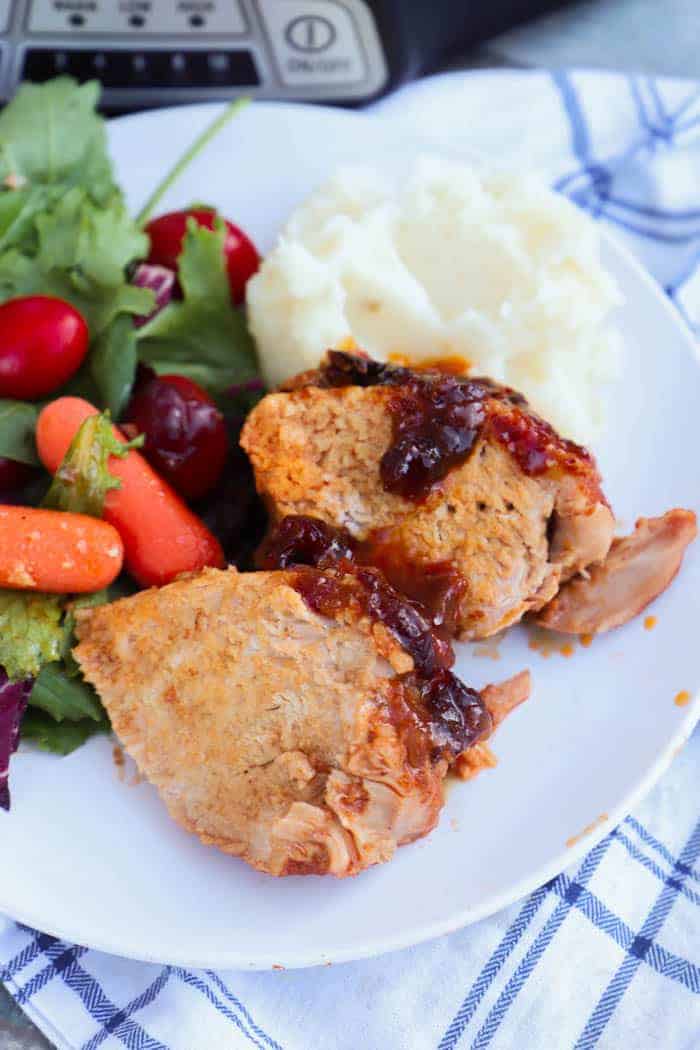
x=158, y=51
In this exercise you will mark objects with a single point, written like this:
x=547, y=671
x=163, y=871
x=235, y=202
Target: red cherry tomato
x=185, y=433
x=168, y=231
x=42, y=343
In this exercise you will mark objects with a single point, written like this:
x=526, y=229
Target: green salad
x=106, y=318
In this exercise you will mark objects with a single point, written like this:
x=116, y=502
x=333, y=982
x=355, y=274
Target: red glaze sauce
x=536, y=445
x=437, y=586
x=438, y=418
x=300, y=540
x=453, y=715
x=331, y=591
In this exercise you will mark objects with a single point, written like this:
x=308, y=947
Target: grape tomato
x=167, y=233
x=43, y=342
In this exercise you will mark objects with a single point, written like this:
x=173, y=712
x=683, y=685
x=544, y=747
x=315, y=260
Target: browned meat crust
x=637, y=569
x=281, y=735
x=502, y=698
x=495, y=535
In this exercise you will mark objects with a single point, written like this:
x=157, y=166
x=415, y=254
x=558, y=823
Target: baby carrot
x=57, y=552
x=161, y=535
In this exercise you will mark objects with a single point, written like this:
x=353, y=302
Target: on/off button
x=314, y=42
x=310, y=34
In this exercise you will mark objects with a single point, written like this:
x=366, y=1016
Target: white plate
x=93, y=860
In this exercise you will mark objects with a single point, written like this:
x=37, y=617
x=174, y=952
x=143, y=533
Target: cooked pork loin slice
x=636, y=570
x=501, y=698
x=463, y=497
x=301, y=720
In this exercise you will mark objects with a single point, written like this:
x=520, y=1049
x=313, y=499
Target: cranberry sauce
x=340, y=368
x=335, y=589
x=302, y=540
x=535, y=444
x=436, y=424
x=438, y=417
x=454, y=716
x=437, y=586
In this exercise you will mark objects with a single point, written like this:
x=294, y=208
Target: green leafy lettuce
x=31, y=633
x=65, y=229
x=113, y=364
x=60, y=738
x=51, y=139
x=65, y=698
x=64, y=709
x=51, y=136
x=203, y=336
x=17, y=426
x=36, y=641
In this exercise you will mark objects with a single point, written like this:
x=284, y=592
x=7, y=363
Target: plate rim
x=490, y=904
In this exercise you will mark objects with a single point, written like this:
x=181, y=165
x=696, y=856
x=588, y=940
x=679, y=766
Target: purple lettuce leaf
x=160, y=280
x=13, y=703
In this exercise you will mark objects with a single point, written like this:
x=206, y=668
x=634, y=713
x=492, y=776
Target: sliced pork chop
x=302, y=720
x=636, y=570
x=465, y=499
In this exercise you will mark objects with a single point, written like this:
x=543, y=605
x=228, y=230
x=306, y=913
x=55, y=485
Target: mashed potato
x=453, y=261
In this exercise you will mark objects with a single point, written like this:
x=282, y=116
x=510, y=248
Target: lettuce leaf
x=31, y=633
x=204, y=336
x=36, y=639
x=93, y=242
x=80, y=253
x=61, y=692
x=65, y=698
x=60, y=738
x=113, y=364
x=51, y=140
x=17, y=426
x=51, y=135
x=65, y=229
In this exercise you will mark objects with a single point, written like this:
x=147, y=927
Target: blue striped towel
x=608, y=953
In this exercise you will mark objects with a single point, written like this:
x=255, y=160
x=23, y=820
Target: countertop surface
x=660, y=37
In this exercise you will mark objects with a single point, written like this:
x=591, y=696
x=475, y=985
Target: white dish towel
x=608, y=953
